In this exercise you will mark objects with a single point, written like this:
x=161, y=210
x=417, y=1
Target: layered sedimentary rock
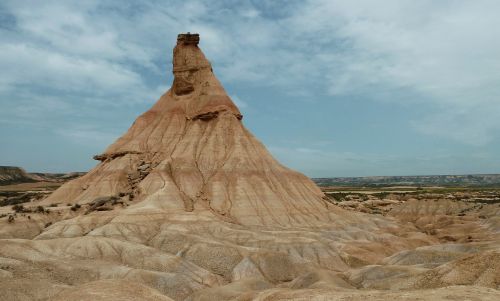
x=188, y=205
x=13, y=174
x=190, y=151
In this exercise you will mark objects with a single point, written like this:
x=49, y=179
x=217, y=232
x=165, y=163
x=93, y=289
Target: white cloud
x=446, y=52
x=61, y=60
x=26, y=65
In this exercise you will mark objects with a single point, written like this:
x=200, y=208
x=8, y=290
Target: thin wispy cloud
x=100, y=63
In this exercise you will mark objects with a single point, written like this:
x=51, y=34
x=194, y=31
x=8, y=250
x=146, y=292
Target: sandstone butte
x=189, y=205
x=191, y=152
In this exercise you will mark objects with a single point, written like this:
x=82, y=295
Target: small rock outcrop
x=14, y=174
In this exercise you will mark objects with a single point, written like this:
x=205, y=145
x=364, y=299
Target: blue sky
x=332, y=88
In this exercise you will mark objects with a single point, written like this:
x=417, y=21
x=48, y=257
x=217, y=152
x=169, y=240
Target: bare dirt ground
x=430, y=243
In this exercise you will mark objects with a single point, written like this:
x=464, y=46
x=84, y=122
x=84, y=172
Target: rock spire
x=191, y=152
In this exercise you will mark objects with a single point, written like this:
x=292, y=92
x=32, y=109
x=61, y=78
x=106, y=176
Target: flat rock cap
x=188, y=38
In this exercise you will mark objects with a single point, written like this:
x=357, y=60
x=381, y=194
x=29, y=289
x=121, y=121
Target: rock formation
x=13, y=174
x=190, y=151
x=188, y=205
x=16, y=175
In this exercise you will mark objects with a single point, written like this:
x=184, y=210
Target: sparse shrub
x=338, y=196
x=39, y=209
x=382, y=195
x=53, y=205
x=48, y=224
x=12, y=201
x=11, y=219
x=75, y=207
x=18, y=208
x=14, y=198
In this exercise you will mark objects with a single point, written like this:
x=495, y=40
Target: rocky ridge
x=15, y=175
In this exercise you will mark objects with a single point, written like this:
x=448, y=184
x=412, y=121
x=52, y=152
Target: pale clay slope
x=208, y=214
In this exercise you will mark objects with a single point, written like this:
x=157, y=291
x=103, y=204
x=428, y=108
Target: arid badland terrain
x=189, y=205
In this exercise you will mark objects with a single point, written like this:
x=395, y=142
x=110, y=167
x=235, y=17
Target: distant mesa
x=17, y=175
x=13, y=175
x=472, y=180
